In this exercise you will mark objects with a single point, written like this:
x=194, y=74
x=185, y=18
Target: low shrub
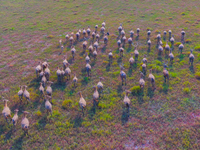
x=50, y=36
x=196, y=34
x=66, y=103
x=183, y=13
x=188, y=41
x=148, y=28
x=197, y=75
x=197, y=48
x=135, y=90
x=177, y=44
x=38, y=113
x=186, y=90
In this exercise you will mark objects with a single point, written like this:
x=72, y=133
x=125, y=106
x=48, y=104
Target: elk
x=165, y=72
x=152, y=79
x=170, y=34
x=164, y=35
x=6, y=111
x=136, y=51
x=110, y=56
x=127, y=100
x=138, y=32
x=158, y=38
x=130, y=41
x=68, y=71
x=141, y=81
x=88, y=68
x=149, y=44
x=148, y=34
x=122, y=75
x=77, y=35
x=182, y=35
x=82, y=102
x=191, y=57
x=180, y=47
x=121, y=50
x=25, y=123
x=73, y=51
x=171, y=56
x=131, y=33
x=120, y=28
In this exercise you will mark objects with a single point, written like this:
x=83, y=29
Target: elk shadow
x=91, y=41
x=150, y=92
x=118, y=37
x=119, y=88
x=129, y=49
x=125, y=116
x=93, y=63
x=119, y=60
x=181, y=57
x=130, y=71
x=77, y=121
x=148, y=50
x=140, y=99
x=103, y=48
x=75, y=43
x=92, y=112
x=139, y=95
x=8, y=134
x=59, y=86
x=42, y=122
x=35, y=83
x=101, y=36
x=124, y=45
x=135, y=65
x=165, y=87
x=36, y=103
x=85, y=80
x=82, y=53
x=192, y=69
x=164, y=38
x=64, y=43
x=160, y=58
x=108, y=67
x=42, y=106
x=18, y=143
x=166, y=56
x=83, y=71
x=71, y=60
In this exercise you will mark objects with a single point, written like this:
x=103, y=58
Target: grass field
x=167, y=118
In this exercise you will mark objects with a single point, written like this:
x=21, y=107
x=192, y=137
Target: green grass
x=167, y=117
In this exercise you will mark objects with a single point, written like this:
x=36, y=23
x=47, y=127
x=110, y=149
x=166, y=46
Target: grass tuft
x=38, y=113
x=66, y=104
x=50, y=36
x=197, y=75
x=177, y=44
x=183, y=13
x=188, y=41
x=135, y=90
x=186, y=90
x=197, y=48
